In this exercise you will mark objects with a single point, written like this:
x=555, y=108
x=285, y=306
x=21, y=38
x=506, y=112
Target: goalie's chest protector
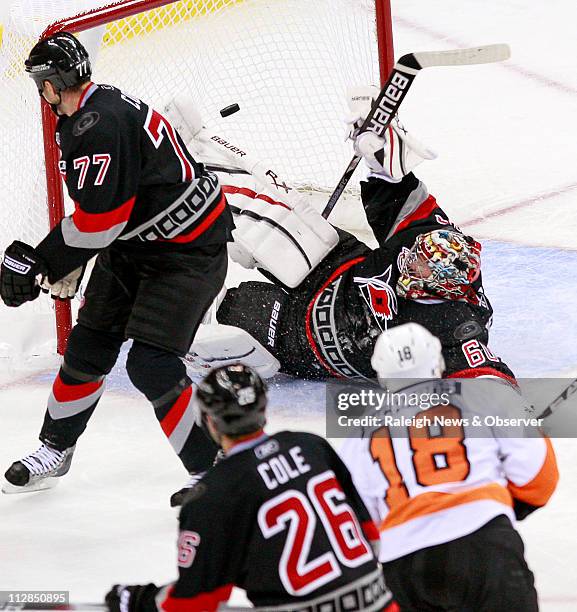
x=132, y=178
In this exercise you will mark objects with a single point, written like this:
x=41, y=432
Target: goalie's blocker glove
x=20, y=267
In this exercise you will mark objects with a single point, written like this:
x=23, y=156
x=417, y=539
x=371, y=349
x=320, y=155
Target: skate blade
x=46, y=483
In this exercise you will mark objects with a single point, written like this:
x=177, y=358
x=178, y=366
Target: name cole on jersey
x=294, y=534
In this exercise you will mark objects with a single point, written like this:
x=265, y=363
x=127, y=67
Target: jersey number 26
x=297, y=513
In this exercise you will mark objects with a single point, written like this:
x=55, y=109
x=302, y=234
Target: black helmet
x=235, y=397
x=60, y=59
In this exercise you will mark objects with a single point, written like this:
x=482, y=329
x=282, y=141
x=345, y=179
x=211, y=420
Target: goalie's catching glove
x=390, y=157
x=65, y=288
x=20, y=267
x=360, y=101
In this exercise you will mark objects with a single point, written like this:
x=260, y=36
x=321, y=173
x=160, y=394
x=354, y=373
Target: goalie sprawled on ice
x=331, y=295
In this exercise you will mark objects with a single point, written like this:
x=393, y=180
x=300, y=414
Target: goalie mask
x=235, y=397
x=60, y=59
x=442, y=264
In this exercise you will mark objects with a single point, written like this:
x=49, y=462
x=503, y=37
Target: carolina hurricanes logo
x=379, y=296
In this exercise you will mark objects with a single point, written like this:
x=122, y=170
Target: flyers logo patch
x=379, y=296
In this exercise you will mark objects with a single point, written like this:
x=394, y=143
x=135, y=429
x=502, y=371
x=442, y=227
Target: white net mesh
x=287, y=63
x=23, y=210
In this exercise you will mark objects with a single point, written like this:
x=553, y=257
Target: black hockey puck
x=229, y=110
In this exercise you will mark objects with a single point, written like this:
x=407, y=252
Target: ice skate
x=177, y=498
x=37, y=471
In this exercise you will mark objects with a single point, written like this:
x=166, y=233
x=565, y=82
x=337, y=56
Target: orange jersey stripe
x=538, y=491
x=429, y=503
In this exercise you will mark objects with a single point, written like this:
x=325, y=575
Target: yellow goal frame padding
x=157, y=19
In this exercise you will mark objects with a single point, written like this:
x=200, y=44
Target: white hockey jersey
x=432, y=476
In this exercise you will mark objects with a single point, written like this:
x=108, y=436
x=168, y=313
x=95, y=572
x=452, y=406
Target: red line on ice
x=536, y=199
x=526, y=72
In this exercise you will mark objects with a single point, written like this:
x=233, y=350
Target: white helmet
x=407, y=351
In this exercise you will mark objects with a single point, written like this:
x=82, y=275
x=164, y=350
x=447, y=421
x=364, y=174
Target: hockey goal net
x=287, y=63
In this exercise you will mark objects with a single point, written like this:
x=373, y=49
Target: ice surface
x=506, y=173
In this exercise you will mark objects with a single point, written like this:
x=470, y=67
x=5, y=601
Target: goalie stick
x=398, y=84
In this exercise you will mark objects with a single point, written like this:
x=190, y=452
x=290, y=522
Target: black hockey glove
x=134, y=598
x=20, y=267
x=522, y=509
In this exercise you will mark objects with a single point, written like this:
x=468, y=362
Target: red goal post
x=131, y=9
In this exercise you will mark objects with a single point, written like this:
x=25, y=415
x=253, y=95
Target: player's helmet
x=60, y=59
x=407, y=351
x=235, y=397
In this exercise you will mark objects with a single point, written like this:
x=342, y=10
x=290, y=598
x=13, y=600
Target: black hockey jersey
x=131, y=179
x=280, y=518
x=351, y=297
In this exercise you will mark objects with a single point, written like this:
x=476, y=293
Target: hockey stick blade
x=486, y=54
x=397, y=86
x=550, y=409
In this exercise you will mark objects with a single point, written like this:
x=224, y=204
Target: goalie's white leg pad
x=289, y=243
x=210, y=314
x=183, y=115
x=217, y=345
x=185, y=118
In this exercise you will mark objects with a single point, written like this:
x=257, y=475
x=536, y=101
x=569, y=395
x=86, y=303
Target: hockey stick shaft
x=397, y=86
x=89, y=607
x=569, y=390
x=92, y=607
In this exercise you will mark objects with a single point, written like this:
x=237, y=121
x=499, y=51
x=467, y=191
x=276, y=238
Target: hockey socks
x=70, y=406
x=178, y=418
x=161, y=376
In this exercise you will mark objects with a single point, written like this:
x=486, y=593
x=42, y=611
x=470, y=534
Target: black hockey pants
x=157, y=300
x=484, y=571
